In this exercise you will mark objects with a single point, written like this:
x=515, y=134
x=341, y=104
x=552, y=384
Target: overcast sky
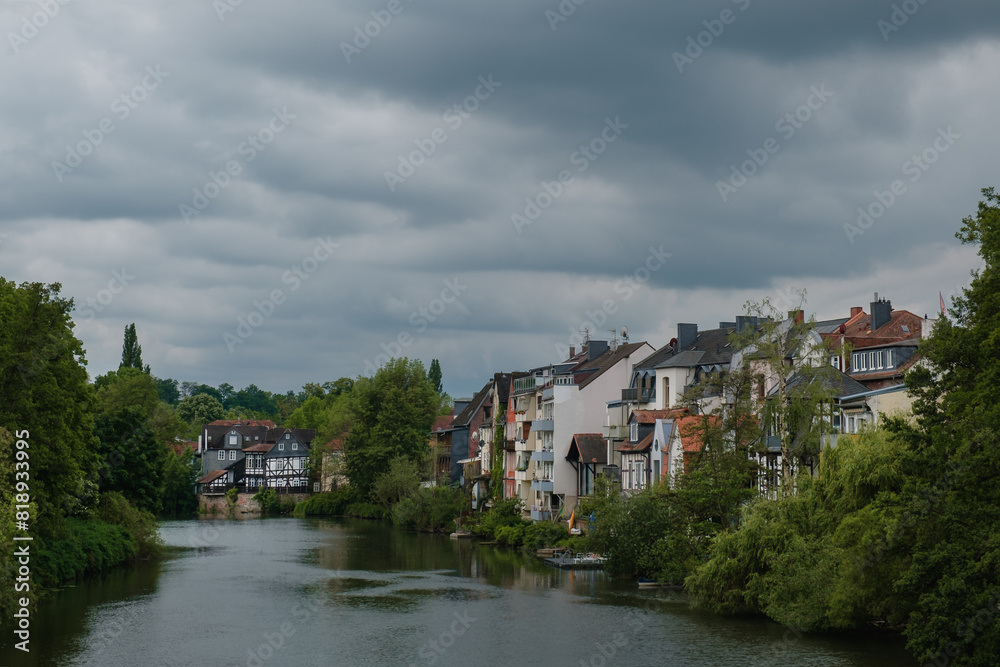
x=479, y=180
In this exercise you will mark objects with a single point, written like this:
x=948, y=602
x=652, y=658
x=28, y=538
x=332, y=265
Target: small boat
x=461, y=535
x=649, y=583
x=577, y=562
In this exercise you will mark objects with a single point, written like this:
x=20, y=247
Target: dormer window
x=633, y=432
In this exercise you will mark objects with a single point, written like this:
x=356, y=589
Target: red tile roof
x=640, y=446
x=212, y=476
x=180, y=447
x=262, y=447
x=692, y=431
x=650, y=416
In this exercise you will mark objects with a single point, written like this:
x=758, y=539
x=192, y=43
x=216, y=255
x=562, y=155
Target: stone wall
x=216, y=503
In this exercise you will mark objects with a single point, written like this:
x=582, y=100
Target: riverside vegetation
x=898, y=528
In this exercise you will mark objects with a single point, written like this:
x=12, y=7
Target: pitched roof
x=650, y=416
x=212, y=476
x=465, y=416
x=183, y=445
x=442, y=423
x=267, y=423
x=604, y=361
x=838, y=383
x=262, y=447
x=692, y=431
x=589, y=447
x=303, y=435
x=640, y=446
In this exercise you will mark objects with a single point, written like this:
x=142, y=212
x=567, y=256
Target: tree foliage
x=132, y=351
x=393, y=412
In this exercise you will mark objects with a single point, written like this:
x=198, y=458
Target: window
x=295, y=445
x=222, y=455
x=232, y=454
x=281, y=446
x=233, y=440
x=835, y=362
x=633, y=432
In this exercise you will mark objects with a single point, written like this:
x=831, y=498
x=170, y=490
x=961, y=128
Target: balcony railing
x=638, y=395
x=615, y=432
x=527, y=384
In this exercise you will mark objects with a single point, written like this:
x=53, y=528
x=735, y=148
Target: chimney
x=687, y=334
x=596, y=348
x=745, y=322
x=798, y=315
x=727, y=325
x=881, y=313
x=856, y=310
x=572, y=351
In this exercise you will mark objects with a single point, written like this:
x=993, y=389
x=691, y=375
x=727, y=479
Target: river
x=283, y=591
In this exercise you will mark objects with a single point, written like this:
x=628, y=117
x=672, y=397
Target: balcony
x=615, y=432
x=523, y=446
x=542, y=456
x=522, y=476
x=541, y=425
x=538, y=514
x=527, y=385
x=637, y=395
x=541, y=485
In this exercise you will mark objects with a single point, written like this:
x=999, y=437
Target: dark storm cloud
x=358, y=108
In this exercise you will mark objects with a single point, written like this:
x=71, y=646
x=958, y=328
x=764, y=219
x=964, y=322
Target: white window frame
x=234, y=440
x=295, y=445
x=633, y=432
x=232, y=454
x=281, y=446
x=222, y=455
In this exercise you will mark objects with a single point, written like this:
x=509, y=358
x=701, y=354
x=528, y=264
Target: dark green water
x=295, y=592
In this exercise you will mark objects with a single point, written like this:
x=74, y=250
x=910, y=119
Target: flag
x=942, y=302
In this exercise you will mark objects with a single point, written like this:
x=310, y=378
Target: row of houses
x=251, y=454
x=615, y=407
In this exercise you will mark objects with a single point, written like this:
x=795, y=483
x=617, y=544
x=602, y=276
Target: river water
x=283, y=591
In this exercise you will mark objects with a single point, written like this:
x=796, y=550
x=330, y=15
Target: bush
x=88, y=546
x=268, y=501
x=429, y=510
x=505, y=512
x=365, y=511
x=115, y=510
x=544, y=534
x=511, y=536
x=332, y=503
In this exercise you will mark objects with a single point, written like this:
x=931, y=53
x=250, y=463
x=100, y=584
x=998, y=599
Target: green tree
x=393, y=412
x=226, y=394
x=132, y=351
x=434, y=375
x=953, y=578
x=133, y=459
x=199, y=409
x=44, y=390
x=177, y=485
x=168, y=390
x=126, y=387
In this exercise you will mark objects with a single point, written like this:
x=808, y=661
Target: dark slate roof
x=589, y=447
x=830, y=326
x=303, y=435
x=465, y=416
x=711, y=347
x=840, y=384
x=604, y=361
x=502, y=382
x=267, y=423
